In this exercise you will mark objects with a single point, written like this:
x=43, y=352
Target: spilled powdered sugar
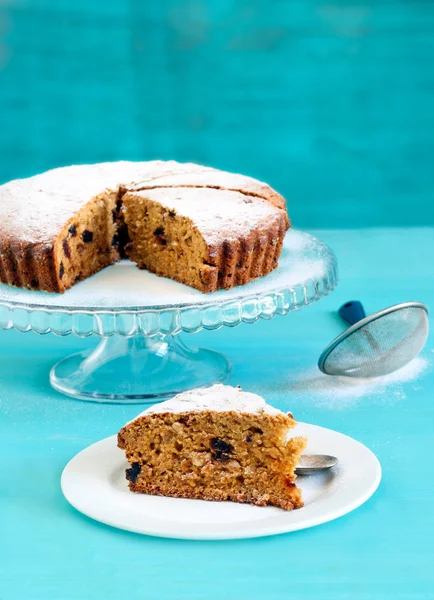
x=344, y=392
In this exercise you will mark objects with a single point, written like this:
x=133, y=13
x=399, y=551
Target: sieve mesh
x=381, y=346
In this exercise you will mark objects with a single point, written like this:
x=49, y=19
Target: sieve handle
x=352, y=312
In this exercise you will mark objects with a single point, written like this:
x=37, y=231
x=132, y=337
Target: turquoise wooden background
x=331, y=102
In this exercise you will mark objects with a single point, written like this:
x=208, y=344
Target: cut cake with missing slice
x=218, y=443
x=202, y=227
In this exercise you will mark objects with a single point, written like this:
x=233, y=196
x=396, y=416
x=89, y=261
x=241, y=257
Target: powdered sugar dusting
x=220, y=398
x=211, y=178
x=218, y=214
x=33, y=210
x=343, y=392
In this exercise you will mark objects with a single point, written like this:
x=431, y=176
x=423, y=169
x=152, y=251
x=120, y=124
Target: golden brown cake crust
x=37, y=212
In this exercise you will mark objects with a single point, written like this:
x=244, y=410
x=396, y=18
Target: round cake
x=206, y=228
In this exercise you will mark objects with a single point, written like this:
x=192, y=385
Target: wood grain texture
x=330, y=102
x=382, y=551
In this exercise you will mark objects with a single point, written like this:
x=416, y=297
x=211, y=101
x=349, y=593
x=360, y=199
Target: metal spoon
x=311, y=463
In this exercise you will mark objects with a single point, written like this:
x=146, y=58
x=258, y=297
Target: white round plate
x=94, y=483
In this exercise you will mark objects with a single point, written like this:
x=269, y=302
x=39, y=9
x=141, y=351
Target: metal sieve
x=378, y=344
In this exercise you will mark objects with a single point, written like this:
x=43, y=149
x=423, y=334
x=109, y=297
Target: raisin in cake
x=200, y=226
x=218, y=443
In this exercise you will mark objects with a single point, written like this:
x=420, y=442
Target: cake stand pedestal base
x=137, y=370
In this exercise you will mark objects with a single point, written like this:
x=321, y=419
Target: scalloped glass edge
x=172, y=321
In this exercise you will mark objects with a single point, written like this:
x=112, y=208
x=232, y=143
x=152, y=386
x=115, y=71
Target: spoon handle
x=310, y=463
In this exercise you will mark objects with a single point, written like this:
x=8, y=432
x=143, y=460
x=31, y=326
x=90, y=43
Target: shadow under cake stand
x=138, y=315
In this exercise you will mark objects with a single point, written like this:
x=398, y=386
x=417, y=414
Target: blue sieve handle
x=352, y=312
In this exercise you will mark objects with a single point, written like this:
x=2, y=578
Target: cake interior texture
x=166, y=244
x=89, y=242
x=214, y=455
x=174, y=233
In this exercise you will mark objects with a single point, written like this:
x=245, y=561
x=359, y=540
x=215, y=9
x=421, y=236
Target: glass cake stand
x=138, y=315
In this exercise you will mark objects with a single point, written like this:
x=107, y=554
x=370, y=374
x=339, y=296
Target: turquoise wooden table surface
x=383, y=550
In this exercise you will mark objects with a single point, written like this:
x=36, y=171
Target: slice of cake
x=218, y=443
x=206, y=238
